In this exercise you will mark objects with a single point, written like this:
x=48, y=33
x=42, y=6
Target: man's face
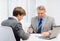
x=41, y=13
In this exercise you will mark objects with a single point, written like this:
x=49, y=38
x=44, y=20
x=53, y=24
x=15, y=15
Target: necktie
x=39, y=25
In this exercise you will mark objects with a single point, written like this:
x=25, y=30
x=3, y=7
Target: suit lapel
x=44, y=23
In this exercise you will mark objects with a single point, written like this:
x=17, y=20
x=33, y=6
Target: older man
x=42, y=23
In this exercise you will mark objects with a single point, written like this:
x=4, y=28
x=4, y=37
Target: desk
x=35, y=37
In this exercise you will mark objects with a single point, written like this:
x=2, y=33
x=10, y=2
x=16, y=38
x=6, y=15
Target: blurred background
x=52, y=9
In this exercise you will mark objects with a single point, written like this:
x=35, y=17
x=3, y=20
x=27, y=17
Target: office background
x=52, y=9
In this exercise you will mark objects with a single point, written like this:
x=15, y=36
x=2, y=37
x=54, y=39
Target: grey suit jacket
x=47, y=24
x=17, y=28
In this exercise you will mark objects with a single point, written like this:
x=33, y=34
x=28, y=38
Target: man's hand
x=30, y=30
x=45, y=34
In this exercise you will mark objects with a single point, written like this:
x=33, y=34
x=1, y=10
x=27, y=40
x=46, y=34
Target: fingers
x=30, y=30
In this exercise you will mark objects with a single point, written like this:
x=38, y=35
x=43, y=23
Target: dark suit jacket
x=17, y=28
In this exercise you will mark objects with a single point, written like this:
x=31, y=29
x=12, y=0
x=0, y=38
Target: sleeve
x=31, y=25
x=21, y=32
x=53, y=24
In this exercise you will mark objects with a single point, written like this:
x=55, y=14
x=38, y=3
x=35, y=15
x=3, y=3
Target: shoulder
x=9, y=21
x=50, y=18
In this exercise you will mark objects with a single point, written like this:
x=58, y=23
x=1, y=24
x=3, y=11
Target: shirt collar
x=40, y=19
x=15, y=18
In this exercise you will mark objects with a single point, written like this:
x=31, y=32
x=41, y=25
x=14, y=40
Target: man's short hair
x=40, y=8
x=18, y=11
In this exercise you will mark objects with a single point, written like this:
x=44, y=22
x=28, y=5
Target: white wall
x=3, y=10
x=52, y=7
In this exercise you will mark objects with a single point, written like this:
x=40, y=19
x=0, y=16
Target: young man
x=13, y=22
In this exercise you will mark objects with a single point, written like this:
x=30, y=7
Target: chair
x=6, y=34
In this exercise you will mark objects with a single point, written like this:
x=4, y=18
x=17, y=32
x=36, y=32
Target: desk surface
x=35, y=37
